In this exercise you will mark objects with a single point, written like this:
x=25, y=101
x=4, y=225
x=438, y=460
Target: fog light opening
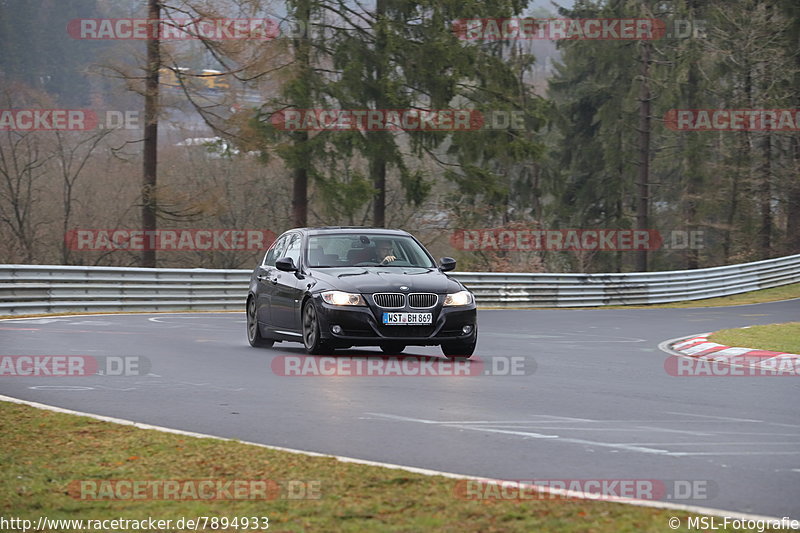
x=336, y=329
x=466, y=330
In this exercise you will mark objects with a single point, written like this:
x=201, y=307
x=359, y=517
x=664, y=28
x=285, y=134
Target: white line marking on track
x=527, y=434
x=687, y=454
x=728, y=418
x=41, y=320
x=639, y=447
x=738, y=419
x=572, y=440
x=772, y=443
x=685, y=432
x=60, y=387
x=566, y=339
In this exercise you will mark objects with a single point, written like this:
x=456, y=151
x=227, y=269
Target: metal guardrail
x=28, y=289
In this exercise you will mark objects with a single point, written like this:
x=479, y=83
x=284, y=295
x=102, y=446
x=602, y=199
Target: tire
x=253, y=331
x=393, y=348
x=311, y=335
x=460, y=350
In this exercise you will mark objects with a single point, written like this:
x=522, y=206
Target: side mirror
x=446, y=264
x=285, y=264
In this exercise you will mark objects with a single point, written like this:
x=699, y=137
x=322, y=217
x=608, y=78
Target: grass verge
x=773, y=337
x=45, y=453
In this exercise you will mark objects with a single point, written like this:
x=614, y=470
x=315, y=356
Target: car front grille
x=422, y=300
x=389, y=300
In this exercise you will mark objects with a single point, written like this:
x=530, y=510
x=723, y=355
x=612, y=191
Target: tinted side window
x=276, y=251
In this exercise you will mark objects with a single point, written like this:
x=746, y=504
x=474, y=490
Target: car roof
x=322, y=230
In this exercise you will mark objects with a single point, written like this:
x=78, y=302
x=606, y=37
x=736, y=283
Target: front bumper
x=361, y=325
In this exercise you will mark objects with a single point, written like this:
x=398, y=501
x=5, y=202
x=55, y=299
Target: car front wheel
x=311, y=336
x=253, y=332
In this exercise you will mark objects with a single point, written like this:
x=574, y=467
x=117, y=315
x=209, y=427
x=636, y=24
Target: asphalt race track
x=595, y=403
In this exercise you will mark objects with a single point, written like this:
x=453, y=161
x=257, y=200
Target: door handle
x=261, y=277
x=274, y=280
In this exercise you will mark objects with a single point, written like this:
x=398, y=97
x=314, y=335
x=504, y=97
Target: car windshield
x=354, y=249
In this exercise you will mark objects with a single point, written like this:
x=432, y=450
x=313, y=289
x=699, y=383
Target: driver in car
x=385, y=250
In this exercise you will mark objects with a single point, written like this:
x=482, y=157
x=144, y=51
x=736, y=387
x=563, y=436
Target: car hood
x=369, y=280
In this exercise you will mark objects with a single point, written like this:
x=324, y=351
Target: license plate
x=407, y=319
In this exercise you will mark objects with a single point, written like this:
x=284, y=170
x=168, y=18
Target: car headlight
x=342, y=298
x=458, y=298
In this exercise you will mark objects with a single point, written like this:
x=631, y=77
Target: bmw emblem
x=403, y=288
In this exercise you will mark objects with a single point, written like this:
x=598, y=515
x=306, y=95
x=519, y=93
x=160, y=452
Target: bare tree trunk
x=378, y=164
x=72, y=162
x=150, y=156
x=302, y=164
x=68, y=189
x=693, y=160
x=643, y=181
x=765, y=199
x=21, y=164
x=619, y=207
x=378, y=171
x=765, y=182
x=742, y=160
x=300, y=190
x=793, y=211
x=793, y=202
x=733, y=202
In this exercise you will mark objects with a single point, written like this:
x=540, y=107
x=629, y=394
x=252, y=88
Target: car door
x=288, y=289
x=266, y=279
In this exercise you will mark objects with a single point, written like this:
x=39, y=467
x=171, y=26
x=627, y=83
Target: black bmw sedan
x=337, y=287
